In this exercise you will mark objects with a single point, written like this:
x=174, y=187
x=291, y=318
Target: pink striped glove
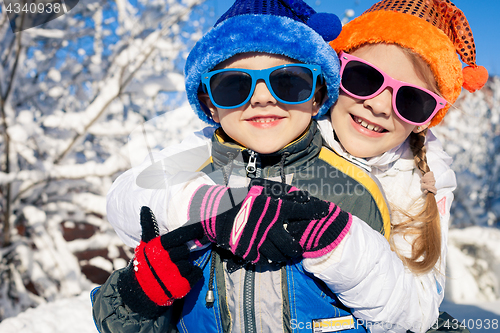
x=318, y=237
x=251, y=222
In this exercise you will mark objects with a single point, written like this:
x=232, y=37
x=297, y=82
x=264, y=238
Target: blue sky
x=483, y=17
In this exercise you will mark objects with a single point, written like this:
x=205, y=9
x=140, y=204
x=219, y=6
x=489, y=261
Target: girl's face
x=263, y=124
x=368, y=128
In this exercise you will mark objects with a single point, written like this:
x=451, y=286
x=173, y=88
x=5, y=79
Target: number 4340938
x=472, y=323
x=34, y=8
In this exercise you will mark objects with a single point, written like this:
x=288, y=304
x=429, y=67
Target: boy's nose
x=261, y=95
x=381, y=104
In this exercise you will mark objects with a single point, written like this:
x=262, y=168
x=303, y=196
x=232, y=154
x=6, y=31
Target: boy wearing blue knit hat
x=259, y=75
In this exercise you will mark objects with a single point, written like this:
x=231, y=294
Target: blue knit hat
x=283, y=27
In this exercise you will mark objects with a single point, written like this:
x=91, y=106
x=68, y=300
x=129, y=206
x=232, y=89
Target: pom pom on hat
x=325, y=24
x=474, y=77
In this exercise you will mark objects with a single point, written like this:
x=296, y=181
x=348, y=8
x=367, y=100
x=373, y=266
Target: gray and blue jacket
x=262, y=298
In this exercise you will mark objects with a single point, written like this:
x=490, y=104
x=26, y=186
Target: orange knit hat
x=435, y=29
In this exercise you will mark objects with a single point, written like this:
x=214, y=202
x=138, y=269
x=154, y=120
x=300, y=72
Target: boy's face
x=368, y=128
x=263, y=124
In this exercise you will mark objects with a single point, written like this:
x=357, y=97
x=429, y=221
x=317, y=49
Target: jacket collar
x=304, y=147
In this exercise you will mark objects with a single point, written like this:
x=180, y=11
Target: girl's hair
x=426, y=225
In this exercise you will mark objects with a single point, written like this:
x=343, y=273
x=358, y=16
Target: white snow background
x=68, y=133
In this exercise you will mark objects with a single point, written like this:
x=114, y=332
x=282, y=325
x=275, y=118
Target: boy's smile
x=264, y=121
x=263, y=124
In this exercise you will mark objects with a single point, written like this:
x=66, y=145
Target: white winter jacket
x=369, y=278
x=363, y=271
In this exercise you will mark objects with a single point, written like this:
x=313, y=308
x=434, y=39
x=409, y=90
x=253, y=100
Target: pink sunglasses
x=414, y=105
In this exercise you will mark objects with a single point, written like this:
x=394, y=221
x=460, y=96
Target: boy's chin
x=266, y=150
x=265, y=146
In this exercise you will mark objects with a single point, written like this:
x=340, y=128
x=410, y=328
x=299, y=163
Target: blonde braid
x=426, y=248
x=417, y=145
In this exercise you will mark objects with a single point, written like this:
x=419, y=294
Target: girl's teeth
x=371, y=127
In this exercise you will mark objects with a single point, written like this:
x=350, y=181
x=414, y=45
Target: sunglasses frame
x=345, y=58
x=256, y=75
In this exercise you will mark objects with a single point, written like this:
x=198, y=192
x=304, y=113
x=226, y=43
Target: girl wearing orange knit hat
x=400, y=73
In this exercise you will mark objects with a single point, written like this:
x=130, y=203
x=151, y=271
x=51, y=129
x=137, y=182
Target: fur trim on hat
x=260, y=33
x=413, y=33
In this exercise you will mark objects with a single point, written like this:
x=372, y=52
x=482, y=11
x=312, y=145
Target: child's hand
x=250, y=222
x=319, y=236
x=161, y=270
x=317, y=225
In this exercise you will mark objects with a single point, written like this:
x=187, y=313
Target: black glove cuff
x=134, y=297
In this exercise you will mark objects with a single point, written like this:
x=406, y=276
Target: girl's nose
x=261, y=95
x=381, y=104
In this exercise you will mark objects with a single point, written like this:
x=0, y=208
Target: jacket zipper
x=253, y=167
x=248, y=301
x=252, y=162
x=249, y=279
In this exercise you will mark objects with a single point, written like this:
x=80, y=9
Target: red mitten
x=161, y=271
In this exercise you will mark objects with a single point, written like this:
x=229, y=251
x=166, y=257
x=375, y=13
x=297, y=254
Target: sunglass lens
x=360, y=79
x=230, y=88
x=414, y=104
x=292, y=84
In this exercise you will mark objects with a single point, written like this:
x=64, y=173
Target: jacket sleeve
x=370, y=279
x=156, y=183
x=111, y=315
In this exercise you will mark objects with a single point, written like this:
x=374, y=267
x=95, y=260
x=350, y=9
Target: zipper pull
x=209, y=298
x=252, y=162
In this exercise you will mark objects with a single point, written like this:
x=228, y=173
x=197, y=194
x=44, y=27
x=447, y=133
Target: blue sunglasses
x=233, y=87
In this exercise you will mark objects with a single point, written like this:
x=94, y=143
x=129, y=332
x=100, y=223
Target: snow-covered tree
x=470, y=133
x=71, y=91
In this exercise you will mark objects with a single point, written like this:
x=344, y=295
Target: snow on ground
x=472, y=291
x=74, y=315
x=65, y=315
x=473, y=265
